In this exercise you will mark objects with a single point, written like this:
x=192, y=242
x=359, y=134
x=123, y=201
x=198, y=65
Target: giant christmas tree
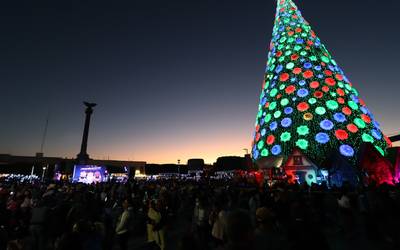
x=306, y=101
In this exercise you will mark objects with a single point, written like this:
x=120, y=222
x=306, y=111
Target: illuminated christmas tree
x=306, y=101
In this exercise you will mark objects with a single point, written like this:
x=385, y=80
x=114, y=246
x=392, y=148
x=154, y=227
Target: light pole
x=43, y=172
x=32, y=170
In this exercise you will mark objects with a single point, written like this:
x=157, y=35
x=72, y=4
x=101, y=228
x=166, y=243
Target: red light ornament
x=314, y=84
x=294, y=57
x=330, y=81
x=352, y=128
x=318, y=94
x=366, y=118
x=303, y=106
x=346, y=110
x=308, y=74
x=284, y=77
x=296, y=71
x=290, y=89
x=270, y=139
x=258, y=136
x=341, y=134
x=340, y=92
x=339, y=77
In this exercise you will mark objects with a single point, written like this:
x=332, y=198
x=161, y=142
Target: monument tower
x=83, y=156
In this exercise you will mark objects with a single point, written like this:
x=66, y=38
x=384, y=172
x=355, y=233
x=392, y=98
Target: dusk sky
x=173, y=79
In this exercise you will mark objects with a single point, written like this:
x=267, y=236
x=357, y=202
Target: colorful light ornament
x=286, y=122
x=302, y=83
x=320, y=110
x=339, y=117
x=352, y=128
x=367, y=138
x=332, y=105
x=376, y=134
x=288, y=110
x=284, y=102
x=276, y=150
x=380, y=150
x=270, y=139
x=326, y=124
x=264, y=152
x=273, y=92
x=303, y=130
x=302, y=143
x=322, y=138
x=302, y=92
x=285, y=136
x=307, y=102
x=359, y=122
x=303, y=106
x=277, y=114
x=290, y=65
x=272, y=106
x=341, y=134
x=312, y=100
x=308, y=116
x=273, y=126
x=346, y=150
x=267, y=118
x=260, y=144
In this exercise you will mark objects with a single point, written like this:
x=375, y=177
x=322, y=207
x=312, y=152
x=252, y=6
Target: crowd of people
x=180, y=213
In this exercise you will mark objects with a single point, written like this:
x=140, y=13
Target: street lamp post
x=43, y=172
x=179, y=169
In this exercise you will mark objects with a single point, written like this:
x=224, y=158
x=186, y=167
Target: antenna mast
x=44, y=132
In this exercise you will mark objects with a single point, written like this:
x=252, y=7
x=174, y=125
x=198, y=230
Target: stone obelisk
x=83, y=156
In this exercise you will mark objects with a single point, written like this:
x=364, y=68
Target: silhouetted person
x=267, y=234
x=239, y=231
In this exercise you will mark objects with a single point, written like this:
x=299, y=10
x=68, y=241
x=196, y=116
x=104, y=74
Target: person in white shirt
x=155, y=227
x=217, y=220
x=122, y=228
